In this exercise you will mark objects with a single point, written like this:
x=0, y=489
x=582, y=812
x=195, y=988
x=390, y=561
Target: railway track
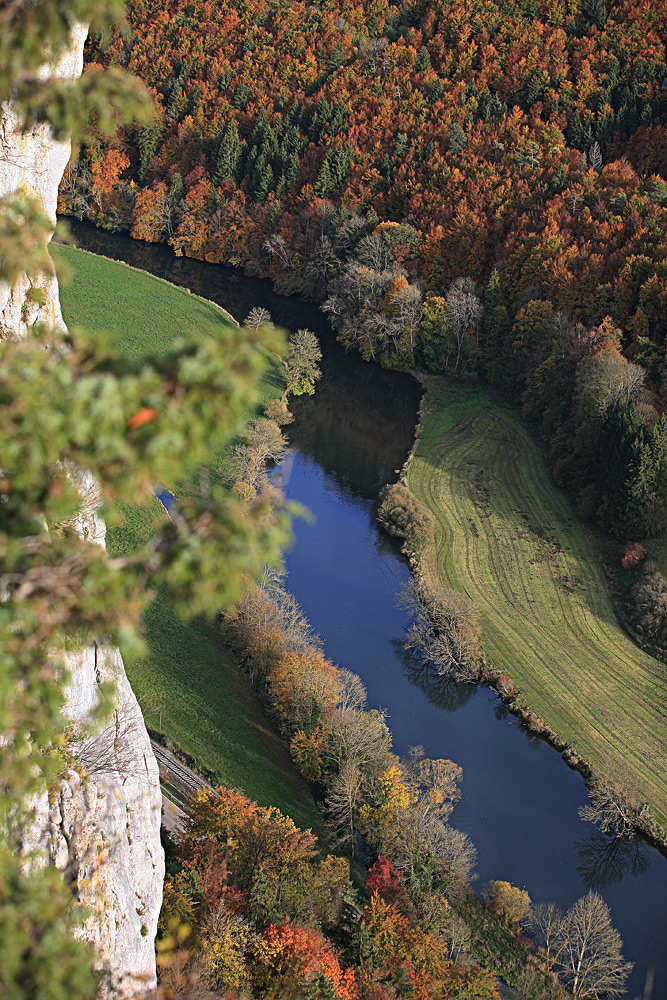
x=178, y=781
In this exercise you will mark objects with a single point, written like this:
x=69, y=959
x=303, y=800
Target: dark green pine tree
x=534, y=91
x=401, y=145
x=646, y=485
x=228, y=164
x=149, y=137
x=324, y=185
x=436, y=91
x=605, y=126
x=385, y=167
x=261, y=129
x=559, y=179
x=422, y=60
x=241, y=97
x=496, y=328
x=176, y=191
x=337, y=57
x=607, y=463
x=458, y=140
x=264, y=181
x=291, y=171
x=484, y=104
x=337, y=119
x=323, y=113
x=289, y=143
x=575, y=132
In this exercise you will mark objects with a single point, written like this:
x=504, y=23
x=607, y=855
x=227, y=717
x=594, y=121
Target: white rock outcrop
x=34, y=162
x=102, y=831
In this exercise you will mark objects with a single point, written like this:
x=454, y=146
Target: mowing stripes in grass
x=508, y=539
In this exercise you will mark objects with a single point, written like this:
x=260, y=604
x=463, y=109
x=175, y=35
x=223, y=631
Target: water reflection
x=605, y=859
x=356, y=424
x=520, y=802
x=442, y=692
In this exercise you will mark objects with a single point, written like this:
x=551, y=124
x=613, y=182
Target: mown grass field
x=507, y=538
x=208, y=708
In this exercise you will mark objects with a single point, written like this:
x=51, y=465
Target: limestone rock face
x=33, y=162
x=102, y=830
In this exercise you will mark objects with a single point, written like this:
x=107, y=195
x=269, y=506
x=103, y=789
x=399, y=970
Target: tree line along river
x=520, y=800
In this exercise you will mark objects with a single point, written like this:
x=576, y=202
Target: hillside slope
x=189, y=679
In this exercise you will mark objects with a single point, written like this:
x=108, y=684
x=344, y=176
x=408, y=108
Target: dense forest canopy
x=469, y=186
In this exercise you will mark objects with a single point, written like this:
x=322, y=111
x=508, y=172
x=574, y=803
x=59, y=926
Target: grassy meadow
x=508, y=539
x=208, y=708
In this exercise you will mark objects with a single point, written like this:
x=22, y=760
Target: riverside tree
x=302, y=363
x=583, y=947
x=69, y=405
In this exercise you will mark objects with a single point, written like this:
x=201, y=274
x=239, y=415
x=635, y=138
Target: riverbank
x=188, y=682
x=508, y=539
x=519, y=803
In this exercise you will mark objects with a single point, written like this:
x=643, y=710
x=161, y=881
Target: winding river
x=520, y=801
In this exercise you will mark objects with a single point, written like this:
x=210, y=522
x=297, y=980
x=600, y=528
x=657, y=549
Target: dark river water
x=520, y=801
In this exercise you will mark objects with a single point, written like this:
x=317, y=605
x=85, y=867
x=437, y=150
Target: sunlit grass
x=207, y=707
x=507, y=538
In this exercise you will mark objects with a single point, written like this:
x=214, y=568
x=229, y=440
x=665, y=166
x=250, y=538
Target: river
x=520, y=801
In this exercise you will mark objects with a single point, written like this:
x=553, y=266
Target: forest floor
x=189, y=677
x=509, y=540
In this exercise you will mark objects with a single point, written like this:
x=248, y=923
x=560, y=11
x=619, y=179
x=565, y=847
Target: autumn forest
x=464, y=186
x=469, y=188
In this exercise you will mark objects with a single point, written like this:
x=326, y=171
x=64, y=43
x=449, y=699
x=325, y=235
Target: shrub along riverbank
x=415, y=946
x=188, y=680
x=508, y=540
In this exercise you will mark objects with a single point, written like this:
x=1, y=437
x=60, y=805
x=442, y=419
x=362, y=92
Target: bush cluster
x=402, y=515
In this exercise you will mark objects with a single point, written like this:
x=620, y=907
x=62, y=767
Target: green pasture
x=142, y=315
x=208, y=708
x=508, y=539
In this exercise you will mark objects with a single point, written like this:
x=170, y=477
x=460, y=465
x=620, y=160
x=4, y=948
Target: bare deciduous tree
x=371, y=49
x=426, y=848
x=649, y=597
x=322, y=264
x=355, y=306
x=607, y=380
x=445, y=631
x=615, y=806
x=360, y=737
x=407, y=303
x=458, y=937
x=276, y=246
x=546, y=920
x=589, y=954
x=352, y=695
x=247, y=461
x=343, y=801
x=258, y=316
x=464, y=315
x=349, y=233
x=373, y=251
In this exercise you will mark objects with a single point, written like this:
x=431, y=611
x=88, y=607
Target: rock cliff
x=103, y=830
x=33, y=162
